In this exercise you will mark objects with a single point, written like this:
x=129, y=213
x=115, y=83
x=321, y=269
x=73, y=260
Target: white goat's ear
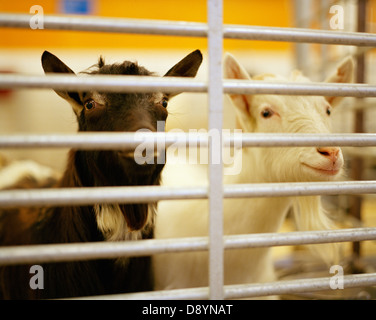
x=52, y=64
x=232, y=69
x=343, y=74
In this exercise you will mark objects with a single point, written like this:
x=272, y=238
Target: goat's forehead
x=124, y=68
x=293, y=103
x=120, y=98
x=295, y=76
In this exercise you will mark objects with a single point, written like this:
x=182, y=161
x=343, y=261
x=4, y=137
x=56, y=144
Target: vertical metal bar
x=357, y=162
x=215, y=92
x=324, y=48
x=302, y=17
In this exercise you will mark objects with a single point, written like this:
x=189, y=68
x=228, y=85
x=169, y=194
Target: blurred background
x=42, y=111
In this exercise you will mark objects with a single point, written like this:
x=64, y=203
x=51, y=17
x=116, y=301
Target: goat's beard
x=136, y=215
x=117, y=169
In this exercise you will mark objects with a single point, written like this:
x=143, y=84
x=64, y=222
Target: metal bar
x=299, y=35
x=359, y=118
x=302, y=19
x=215, y=172
x=298, y=189
x=300, y=140
x=107, y=83
x=248, y=290
x=294, y=88
x=264, y=240
x=192, y=29
x=47, y=253
x=113, y=25
x=296, y=286
x=98, y=250
x=147, y=194
x=100, y=195
x=102, y=83
x=177, y=294
x=104, y=140
x=131, y=140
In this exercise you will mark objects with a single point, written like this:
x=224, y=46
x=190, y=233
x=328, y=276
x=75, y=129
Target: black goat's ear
x=52, y=64
x=187, y=67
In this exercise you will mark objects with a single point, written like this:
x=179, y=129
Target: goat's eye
x=164, y=103
x=267, y=113
x=90, y=104
x=328, y=111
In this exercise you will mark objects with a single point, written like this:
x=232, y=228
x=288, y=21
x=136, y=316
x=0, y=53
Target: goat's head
x=100, y=111
x=290, y=114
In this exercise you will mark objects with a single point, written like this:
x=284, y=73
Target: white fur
x=300, y=114
x=17, y=170
x=112, y=224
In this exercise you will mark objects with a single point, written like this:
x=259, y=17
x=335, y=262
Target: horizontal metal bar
x=100, y=195
x=102, y=83
x=298, y=35
x=107, y=83
x=295, y=88
x=130, y=140
x=97, y=250
x=113, y=25
x=193, y=29
x=297, y=286
x=106, y=250
x=300, y=140
x=147, y=194
x=248, y=290
x=298, y=189
x=263, y=240
x=104, y=140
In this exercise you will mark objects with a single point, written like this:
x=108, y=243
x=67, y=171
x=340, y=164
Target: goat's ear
x=343, y=74
x=232, y=69
x=52, y=64
x=187, y=67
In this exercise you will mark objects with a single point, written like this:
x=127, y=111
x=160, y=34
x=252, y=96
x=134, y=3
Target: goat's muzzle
x=327, y=162
x=142, y=163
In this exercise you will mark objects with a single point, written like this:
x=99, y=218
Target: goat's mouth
x=326, y=171
x=142, y=161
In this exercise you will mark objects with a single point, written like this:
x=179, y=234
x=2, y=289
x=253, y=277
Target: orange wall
x=249, y=12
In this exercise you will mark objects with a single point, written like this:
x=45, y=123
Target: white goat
x=258, y=113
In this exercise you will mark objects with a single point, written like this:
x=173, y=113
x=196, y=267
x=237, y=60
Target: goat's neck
x=253, y=215
x=114, y=221
x=68, y=224
x=71, y=177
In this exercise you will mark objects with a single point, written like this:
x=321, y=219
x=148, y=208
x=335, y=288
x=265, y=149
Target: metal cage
x=216, y=243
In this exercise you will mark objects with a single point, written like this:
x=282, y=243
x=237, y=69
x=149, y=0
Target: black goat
x=95, y=111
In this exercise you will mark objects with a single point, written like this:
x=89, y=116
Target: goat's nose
x=329, y=152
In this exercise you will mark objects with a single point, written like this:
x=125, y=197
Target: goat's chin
x=321, y=174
